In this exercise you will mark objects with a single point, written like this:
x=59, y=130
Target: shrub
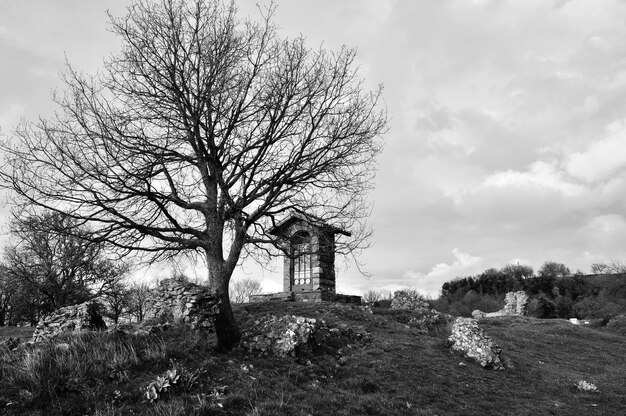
x=409, y=299
x=541, y=307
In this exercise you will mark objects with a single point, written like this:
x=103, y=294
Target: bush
x=409, y=299
x=541, y=307
x=468, y=303
x=386, y=303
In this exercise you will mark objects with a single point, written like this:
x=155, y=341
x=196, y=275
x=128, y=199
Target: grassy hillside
x=394, y=370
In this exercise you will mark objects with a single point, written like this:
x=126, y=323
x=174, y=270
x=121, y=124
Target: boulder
x=477, y=314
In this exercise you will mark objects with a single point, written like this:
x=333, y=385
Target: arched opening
x=302, y=260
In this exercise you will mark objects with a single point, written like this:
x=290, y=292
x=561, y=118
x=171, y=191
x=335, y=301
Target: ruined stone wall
x=178, y=301
x=84, y=316
x=514, y=304
x=468, y=338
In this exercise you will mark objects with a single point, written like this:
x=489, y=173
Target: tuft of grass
x=75, y=366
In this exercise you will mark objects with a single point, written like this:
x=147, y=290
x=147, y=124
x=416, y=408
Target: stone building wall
x=74, y=318
x=514, y=304
x=178, y=301
x=325, y=278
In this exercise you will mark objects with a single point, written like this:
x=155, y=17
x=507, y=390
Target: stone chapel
x=308, y=261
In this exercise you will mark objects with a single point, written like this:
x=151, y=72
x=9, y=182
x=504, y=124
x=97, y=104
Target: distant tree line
x=555, y=292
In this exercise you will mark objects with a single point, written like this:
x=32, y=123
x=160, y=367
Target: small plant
x=158, y=387
x=586, y=386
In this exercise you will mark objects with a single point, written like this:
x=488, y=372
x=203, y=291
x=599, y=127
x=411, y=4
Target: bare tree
x=371, y=296
x=118, y=301
x=139, y=294
x=241, y=290
x=200, y=135
x=55, y=263
x=614, y=267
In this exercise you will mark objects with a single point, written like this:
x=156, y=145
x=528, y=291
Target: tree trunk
x=226, y=328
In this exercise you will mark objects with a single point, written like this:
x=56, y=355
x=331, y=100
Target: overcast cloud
x=507, y=138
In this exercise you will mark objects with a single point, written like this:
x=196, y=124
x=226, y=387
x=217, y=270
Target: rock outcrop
x=179, y=301
x=468, y=338
x=74, y=318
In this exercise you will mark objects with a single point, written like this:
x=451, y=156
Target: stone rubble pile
x=432, y=322
x=298, y=336
x=514, y=305
x=181, y=301
x=409, y=299
x=280, y=336
x=74, y=318
x=468, y=338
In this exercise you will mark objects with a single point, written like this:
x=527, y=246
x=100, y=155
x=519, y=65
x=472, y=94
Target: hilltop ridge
x=398, y=370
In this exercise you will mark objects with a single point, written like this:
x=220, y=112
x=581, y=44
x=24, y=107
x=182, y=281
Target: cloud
x=10, y=115
x=604, y=158
x=430, y=282
x=539, y=176
x=605, y=234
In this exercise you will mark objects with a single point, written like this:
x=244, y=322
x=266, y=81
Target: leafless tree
x=118, y=301
x=139, y=293
x=241, y=290
x=201, y=134
x=371, y=296
x=54, y=263
x=613, y=267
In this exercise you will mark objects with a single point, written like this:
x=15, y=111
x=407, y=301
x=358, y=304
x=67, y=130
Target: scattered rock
x=472, y=341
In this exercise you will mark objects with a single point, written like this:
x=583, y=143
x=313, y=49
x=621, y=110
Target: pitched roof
x=279, y=228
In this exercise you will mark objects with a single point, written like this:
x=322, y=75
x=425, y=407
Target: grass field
x=397, y=370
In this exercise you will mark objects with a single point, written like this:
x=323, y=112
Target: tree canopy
x=52, y=263
x=202, y=133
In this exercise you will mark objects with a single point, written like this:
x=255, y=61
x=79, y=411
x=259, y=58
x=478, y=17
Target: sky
x=507, y=123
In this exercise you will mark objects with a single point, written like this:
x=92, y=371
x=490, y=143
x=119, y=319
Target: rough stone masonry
x=468, y=338
x=84, y=316
x=514, y=304
x=180, y=301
